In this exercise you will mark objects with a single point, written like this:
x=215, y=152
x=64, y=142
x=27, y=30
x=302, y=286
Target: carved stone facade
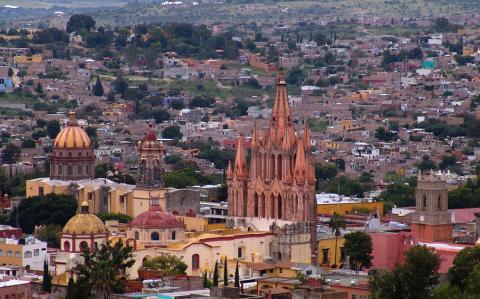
x=432, y=221
x=280, y=183
x=279, y=186
x=150, y=160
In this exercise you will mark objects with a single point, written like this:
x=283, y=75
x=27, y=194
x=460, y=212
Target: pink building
x=388, y=248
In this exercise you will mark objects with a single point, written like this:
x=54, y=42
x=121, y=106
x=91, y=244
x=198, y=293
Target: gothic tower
x=150, y=160
x=431, y=222
x=280, y=181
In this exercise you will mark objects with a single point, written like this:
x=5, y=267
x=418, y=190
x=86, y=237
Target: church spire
x=240, y=169
x=300, y=165
x=306, y=138
x=229, y=170
x=281, y=119
x=255, y=137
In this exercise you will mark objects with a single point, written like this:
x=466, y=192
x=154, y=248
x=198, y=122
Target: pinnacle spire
x=229, y=170
x=255, y=137
x=306, y=138
x=240, y=169
x=300, y=165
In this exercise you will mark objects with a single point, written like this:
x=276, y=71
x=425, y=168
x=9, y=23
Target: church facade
x=279, y=183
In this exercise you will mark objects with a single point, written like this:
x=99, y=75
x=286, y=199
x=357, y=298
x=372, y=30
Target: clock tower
x=431, y=221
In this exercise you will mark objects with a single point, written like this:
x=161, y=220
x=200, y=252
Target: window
x=240, y=252
x=354, y=296
x=9, y=253
x=83, y=245
x=137, y=236
x=80, y=169
x=174, y=235
x=66, y=246
x=17, y=254
x=27, y=254
x=439, y=202
x=424, y=202
x=154, y=236
x=343, y=256
x=195, y=262
x=36, y=252
x=325, y=256
x=60, y=169
x=40, y=191
x=1, y=252
x=69, y=170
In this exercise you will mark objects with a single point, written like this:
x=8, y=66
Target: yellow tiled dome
x=84, y=224
x=72, y=136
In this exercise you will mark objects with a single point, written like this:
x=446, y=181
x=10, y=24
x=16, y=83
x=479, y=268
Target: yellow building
x=101, y=194
x=329, y=203
x=326, y=251
x=201, y=252
x=24, y=59
x=468, y=50
x=331, y=144
x=29, y=254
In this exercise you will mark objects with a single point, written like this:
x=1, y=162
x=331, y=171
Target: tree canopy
x=167, y=265
x=47, y=209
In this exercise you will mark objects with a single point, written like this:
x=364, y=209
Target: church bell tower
x=432, y=221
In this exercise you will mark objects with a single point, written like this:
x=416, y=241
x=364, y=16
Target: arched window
x=195, y=262
x=79, y=169
x=255, y=205
x=137, y=236
x=154, y=236
x=272, y=206
x=83, y=245
x=279, y=167
x=439, y=202
x=174, y=235
x=424, y=202
x=66, y=246
x=279, y=206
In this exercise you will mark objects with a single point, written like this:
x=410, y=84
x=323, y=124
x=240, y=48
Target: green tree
x=205, y=280
x=98, y=88
x=101, y=170
x=172, y=132
x=382, y=134
x=49, y=233
x=122, y=218
x=28, y=143
x=337, y=222
x=80, y=23
x=11, y=154
x=167, y=265
x=426, y=164
x=43, y=210
x=225, y=273
x=415, y=278
x=99, y=276
x=120, y=85
x=53, y=128
x=237, y=277
x=447, y=291
x=47, y=278
x=358, y=247
x=70, y=289
x=215, y=275
x=463, y=265
x=39, y=88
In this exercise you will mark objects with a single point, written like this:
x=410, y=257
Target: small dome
x=84, y=203
x=84, y=224
x=156, y=218
x=72, y=136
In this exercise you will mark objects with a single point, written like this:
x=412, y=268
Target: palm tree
x=337, y=222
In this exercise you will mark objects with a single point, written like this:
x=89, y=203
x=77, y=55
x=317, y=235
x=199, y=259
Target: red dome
x=150, y=136
x=156, y=218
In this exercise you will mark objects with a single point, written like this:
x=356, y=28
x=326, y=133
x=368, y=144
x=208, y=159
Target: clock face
x=422, y=218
